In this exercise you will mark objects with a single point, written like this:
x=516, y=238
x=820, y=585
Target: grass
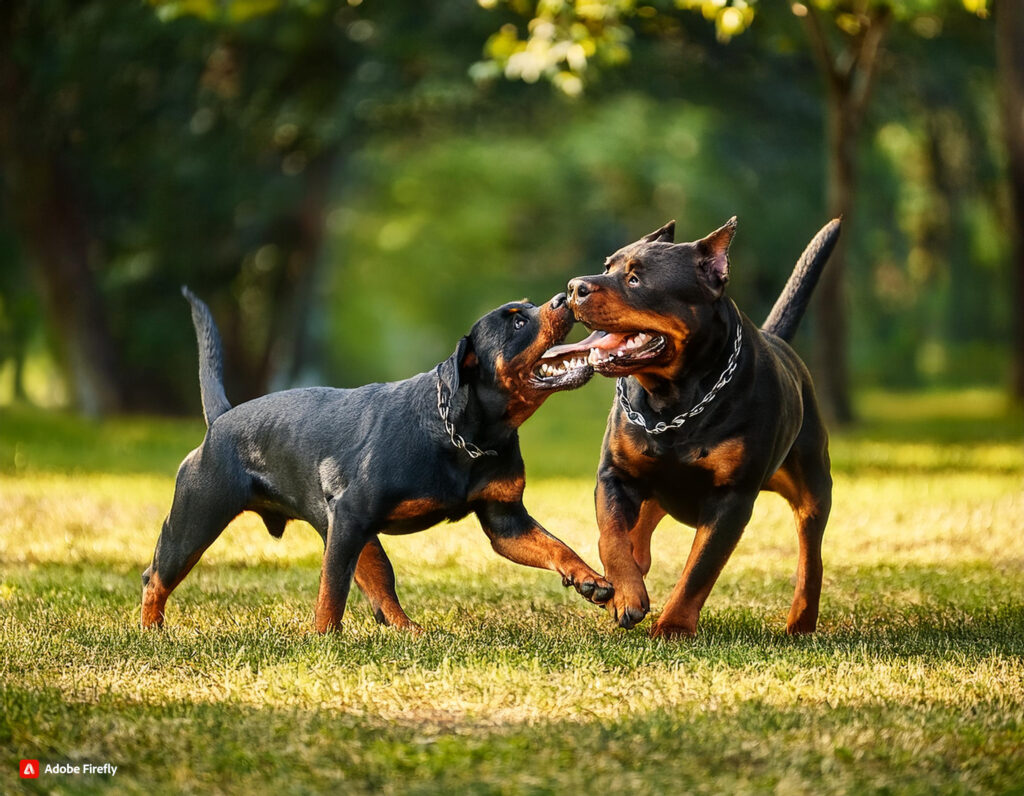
x=914, y=684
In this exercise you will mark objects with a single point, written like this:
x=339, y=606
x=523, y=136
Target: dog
x=382, y=458
x=709, y=411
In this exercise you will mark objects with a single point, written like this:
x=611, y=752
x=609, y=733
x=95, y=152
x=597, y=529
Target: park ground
x=914, y=683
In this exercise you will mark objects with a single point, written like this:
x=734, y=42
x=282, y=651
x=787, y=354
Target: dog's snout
x=580, y=288
x=558, y=301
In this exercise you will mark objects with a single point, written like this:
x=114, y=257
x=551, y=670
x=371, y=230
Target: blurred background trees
x=351, y=184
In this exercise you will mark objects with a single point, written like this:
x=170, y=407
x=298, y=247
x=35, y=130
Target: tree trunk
x=849, y=77
x=53, y=229
x=289, y=358
x=43, y=196
x=1010, y=54
x=832, y=316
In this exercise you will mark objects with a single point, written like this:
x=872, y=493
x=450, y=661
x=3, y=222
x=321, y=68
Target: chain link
x=444, y=410
x=661, y=427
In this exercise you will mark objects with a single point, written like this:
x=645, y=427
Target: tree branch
x=865, y=66
x=820, y=48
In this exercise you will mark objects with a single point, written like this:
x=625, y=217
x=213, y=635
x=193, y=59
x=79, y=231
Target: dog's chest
x=680, y=473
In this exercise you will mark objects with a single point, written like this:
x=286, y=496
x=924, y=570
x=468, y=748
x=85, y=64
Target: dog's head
x=505, y=350
x=653, y=298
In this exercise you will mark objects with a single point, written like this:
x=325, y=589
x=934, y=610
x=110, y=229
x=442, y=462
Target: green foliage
x=565, y=38
x=206, y=142
x=914, y=683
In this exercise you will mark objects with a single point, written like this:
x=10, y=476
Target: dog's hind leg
x=375, y=578
x=203, y=505
x=804, y=481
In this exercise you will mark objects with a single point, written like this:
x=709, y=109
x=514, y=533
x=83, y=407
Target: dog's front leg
x=722, y=521
x=618, y=514
x=346, y=538
x=518, y=537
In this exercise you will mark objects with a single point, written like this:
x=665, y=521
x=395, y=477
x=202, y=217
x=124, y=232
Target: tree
x=845, y=37
x=198, y=142
x=1009, y=38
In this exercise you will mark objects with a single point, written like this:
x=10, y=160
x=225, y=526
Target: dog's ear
x=666, y=234
x=713, y=262
x=459, y=366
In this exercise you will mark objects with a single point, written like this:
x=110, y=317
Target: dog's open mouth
x=553, y=372
x=605, y=352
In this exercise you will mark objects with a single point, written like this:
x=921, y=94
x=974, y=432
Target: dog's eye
x=518, y=322
x=633, y=280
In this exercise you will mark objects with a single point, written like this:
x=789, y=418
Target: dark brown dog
x=709, y=411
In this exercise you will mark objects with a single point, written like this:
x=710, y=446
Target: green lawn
x=914, y=684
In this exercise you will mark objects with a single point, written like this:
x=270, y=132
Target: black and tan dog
x=709, y=411
x=384, y=458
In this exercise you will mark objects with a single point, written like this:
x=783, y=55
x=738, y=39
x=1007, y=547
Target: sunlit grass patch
x=914, y=684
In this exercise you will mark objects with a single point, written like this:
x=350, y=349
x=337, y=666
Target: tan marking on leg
x=620, y=566
x=713, y=544
x=811, y=515
x=376, y=579
x=155, y=593
x=154, y=600
x=651, y=513
x=328, y=612
x=537, y=548
x=682, y=609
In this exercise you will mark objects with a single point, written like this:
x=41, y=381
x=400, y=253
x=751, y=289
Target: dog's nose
x=558, y=301
x=579, y=289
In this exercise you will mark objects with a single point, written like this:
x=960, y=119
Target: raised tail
x=789, y=308
x=211, y=359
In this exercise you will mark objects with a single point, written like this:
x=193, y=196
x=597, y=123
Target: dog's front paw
x=629, y=609
x=591, y=586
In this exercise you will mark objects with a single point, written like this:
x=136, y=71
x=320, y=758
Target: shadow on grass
x=749, y=745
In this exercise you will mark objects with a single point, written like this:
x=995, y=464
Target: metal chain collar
x=661, y=427
x=444, y=410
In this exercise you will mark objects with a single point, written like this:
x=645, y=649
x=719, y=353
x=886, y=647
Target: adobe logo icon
x=29, y=769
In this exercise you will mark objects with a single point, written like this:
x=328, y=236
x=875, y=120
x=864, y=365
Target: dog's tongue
x=599, y=339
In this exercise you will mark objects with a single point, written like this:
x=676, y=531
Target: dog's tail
x=789, y=309
x=211, y=359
